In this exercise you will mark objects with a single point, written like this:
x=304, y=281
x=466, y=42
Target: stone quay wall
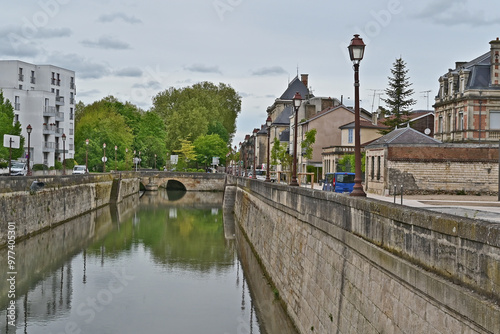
x=62, y=198
x=358, y=265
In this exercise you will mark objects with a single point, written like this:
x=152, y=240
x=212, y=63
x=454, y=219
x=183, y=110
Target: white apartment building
x=43, y=96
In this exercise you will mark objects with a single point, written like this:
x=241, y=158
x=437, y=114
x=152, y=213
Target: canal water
x=168, y=262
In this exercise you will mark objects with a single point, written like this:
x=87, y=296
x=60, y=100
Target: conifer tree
x=398, y=101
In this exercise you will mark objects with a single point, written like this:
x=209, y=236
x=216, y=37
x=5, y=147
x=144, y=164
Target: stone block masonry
x=61, y=199
x=351, y=265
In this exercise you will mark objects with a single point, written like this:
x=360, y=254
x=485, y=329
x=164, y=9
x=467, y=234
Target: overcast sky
x=135, y=49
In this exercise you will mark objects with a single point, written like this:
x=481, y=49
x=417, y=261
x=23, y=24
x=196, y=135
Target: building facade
x=467, y=107
x=43, y=96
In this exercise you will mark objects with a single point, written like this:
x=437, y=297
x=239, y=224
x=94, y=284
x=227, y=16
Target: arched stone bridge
x=181, y=181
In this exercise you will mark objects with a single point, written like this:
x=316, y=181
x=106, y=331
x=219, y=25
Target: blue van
x=340, y=182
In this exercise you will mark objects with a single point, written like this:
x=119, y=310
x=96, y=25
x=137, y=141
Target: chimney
x=459, y=64
x=495, y=62
x=305, y=79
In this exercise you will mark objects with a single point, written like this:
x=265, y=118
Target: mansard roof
x=479, y=69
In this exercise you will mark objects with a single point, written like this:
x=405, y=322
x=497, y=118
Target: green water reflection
x=148, y=265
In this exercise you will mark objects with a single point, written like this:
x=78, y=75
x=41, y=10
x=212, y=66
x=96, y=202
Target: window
x=17, y=104
x=378, y=168
x=70, y=114
x=461, y=120
x=32, y=78
x=72, y=83
x=373, y=168
x=495, y=119
x=350, y=135
x=21, y=76
x=448, y=124
x=440, y=124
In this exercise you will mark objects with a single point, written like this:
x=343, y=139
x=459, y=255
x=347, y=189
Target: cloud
x=203, y=68
x=152, y=84
x=456, y=12
x=87, y=93
x=22, y=42
x=106, y=42
x=118, y=16
x=85, y=68
x=129, y=72
x=273, y=70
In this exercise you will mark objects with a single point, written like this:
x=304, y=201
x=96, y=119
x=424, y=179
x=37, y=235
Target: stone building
x=467, y=107
x=424, y=165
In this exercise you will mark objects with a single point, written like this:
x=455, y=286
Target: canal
x=167, y=262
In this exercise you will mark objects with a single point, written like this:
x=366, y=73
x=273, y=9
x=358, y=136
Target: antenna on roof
x=375, y=93
x=426, y=94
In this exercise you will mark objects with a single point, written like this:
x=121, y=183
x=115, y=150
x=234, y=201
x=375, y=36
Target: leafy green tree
x=280, y=155
x=348, y=163
x=218, y=129
x=8, y=127
x=186, y=153
x=307, y=143
x=210, y=146
x=194, y=111
x=150, y=140
x=398, y=99
x=100, y=123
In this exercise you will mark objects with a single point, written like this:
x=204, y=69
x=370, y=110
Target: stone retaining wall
x=350, y=265
x=61, y=199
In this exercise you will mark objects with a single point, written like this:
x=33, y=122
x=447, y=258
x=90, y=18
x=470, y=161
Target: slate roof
x=404, y=136
x=296, y=85
x=285, y=136
x=479, y=71
x=284, y=117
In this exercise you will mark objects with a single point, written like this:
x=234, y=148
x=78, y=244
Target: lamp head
x=356, y=49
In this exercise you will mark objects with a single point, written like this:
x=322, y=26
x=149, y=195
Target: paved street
x=470, y=206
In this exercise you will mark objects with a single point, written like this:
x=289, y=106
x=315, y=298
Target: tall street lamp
x=64, y=153
x=254, y=140
x=268, y=125
x=297, y=101
x=28, y=130
x=104, y=158
x=356, y=51
x=86, y=155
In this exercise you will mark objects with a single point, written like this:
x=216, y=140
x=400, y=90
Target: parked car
x=80, y=169
x=339, y=182
x=18, y=168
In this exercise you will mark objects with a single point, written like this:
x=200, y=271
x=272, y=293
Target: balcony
x=59, y=116
x=17, y=106
x=72, y=85
x=32, y=80
x=59, y=148
x=49, y=111
x=59, y=132
x=21, y=77
x=49, y=146
x=49, y=129
x=59, y=100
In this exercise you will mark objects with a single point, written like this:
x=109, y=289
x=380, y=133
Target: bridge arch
x=175, y=185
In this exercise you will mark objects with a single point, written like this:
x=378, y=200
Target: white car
x=80, y=169
x=18, y=168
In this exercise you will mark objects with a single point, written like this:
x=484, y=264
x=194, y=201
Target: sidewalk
x=470, y=206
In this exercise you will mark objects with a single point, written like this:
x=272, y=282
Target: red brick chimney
x=305, y=79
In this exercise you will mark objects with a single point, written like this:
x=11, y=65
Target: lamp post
x=104, y=158
x=86, y=155
x=64, y=153
x=297, y=101
x=268, y=125
x=116, y=163
x=28, y=130
x=356, y=51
